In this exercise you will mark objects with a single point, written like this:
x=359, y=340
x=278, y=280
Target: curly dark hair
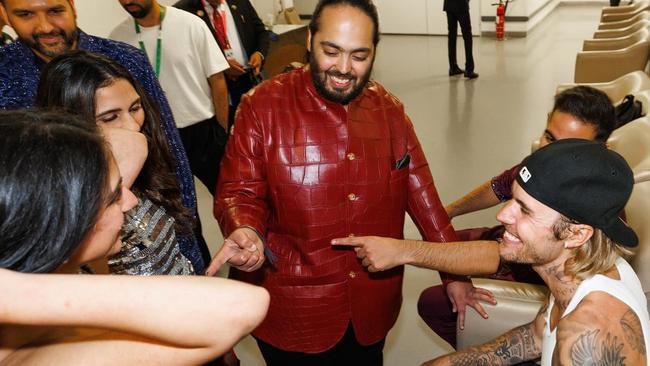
x=69, y=83
x=589, y=105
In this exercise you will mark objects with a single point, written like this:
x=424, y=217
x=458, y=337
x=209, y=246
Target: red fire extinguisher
x=502, y=6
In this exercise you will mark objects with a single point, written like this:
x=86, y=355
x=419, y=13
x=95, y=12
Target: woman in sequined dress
x=62, y=205
x=102, y=91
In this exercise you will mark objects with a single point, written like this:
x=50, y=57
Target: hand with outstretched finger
x=376, y=253
x=243, y=249
x=463, y=294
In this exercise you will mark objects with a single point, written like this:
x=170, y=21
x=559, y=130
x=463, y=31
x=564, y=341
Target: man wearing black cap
x=579, y=112
x=563, y=220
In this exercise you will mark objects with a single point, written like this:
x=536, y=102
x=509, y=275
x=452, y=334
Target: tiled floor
x=470, y=131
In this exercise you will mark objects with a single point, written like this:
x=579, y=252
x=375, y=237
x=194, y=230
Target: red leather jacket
x=302, y=170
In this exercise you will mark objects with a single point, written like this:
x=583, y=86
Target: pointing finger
x=219, y=259
x=350, y=241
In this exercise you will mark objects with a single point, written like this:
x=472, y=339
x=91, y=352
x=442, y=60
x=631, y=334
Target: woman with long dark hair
x=103, y=92
x=61, y=206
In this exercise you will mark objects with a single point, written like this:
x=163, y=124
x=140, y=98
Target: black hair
x=366, y=6
x=53, y=185
x=70, y=82
x=590, y=106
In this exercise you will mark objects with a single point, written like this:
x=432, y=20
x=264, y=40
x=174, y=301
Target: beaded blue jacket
x=19, y=76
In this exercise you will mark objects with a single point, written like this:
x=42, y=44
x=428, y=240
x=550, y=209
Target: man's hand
x=235, y=71
x=256, y=62
x=376, y=253
x=463, y=293
x=243, y=249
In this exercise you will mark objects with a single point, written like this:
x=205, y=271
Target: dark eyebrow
x=55, y=7
x=334, y=45
x=116, y=194
x=137, y=101
x=523, y=205
x=114, y=110
x=18, y=10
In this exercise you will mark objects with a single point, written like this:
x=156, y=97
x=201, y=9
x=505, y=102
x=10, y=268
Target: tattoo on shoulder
x=591, y=349
x=633, y=332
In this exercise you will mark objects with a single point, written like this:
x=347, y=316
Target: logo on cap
x=525, y=174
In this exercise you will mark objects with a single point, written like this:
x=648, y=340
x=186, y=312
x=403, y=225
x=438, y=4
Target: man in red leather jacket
x=319, y=153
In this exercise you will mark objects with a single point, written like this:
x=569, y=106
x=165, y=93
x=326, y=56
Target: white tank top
x=628, y=290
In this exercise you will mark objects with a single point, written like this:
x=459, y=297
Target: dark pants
x=204, y=143
x=435, y=309
x=347, y=352
x=237, y=88
x=614, y=2
x=453, y=19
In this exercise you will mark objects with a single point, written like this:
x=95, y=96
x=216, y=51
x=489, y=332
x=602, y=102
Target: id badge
x=229, y=53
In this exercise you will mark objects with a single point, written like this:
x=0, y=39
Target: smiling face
x=48, y=27
x=563, y=125
x=529, y=236
x=103, y=239
x=118, y=105
x=342, y=53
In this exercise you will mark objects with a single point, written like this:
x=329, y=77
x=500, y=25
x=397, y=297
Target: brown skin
x=153, y=16
x=462, y=258
x=219, y=91
x=48, y=27
x=342, y=52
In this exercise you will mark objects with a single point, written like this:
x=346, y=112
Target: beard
x=344, y=97
x=524, y=251
x=68, y=41
x=141, y=10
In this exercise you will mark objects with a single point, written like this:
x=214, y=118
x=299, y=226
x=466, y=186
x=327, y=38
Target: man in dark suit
x=245, y=45
x=458, y=12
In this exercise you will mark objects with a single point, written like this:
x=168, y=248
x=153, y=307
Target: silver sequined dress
x=149, y=245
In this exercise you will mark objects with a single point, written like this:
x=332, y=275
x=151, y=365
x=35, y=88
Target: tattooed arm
x=517, y=345
x=601, y=330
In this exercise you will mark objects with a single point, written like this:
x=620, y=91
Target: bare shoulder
x=600, y=330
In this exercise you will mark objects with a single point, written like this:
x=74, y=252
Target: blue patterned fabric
x=20, y=71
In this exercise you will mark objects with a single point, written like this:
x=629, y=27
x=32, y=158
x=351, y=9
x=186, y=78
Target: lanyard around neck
x=158, y=41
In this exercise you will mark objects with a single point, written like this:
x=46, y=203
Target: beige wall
x=98, y=17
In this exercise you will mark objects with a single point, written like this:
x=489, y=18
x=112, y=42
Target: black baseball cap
x=584, y=181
